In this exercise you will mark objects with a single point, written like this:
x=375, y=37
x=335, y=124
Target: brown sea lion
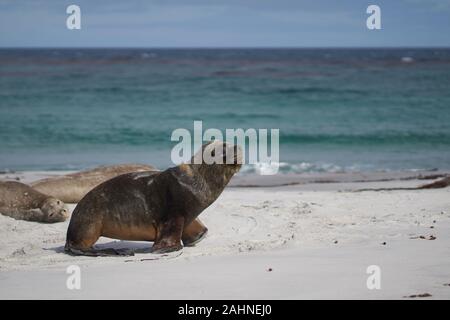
x=151, y=206
x=73, y=187
x=22, y=202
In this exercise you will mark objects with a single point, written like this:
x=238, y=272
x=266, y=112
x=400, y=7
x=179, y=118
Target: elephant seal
x=73, y=187
x=151, y=206
x=21, y=202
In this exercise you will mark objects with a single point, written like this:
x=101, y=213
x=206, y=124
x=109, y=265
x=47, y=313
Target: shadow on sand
x=135, y=247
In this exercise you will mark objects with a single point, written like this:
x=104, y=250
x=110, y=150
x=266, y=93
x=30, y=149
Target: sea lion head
x=54, y=210
x=220, y=162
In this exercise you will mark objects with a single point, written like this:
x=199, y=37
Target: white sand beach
x=290, y=238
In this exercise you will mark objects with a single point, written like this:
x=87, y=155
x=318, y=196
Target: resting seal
x=151, y=206
x=22, y=202
x=73, y=187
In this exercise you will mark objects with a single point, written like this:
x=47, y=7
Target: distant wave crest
x=368, y=138
x=302, y=167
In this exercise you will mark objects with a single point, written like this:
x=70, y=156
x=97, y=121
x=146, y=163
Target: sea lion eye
x=58, y=202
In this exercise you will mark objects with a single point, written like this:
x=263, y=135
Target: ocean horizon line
x=227, y=48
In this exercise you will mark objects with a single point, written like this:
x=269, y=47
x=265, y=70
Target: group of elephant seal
x=157, y=206
x=21, y=202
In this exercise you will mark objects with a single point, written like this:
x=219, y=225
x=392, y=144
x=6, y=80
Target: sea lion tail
x=107, y=252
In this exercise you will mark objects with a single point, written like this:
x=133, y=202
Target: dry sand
x=301, y=241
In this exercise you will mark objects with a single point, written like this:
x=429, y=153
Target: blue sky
x=220, y=23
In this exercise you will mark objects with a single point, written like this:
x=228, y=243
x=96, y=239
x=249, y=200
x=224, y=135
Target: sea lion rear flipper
x=193, y=233
x=169, y=235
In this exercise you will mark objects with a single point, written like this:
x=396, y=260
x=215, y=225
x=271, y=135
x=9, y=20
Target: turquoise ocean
x=336, y=109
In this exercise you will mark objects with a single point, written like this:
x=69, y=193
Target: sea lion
x=22, y=202
x=154, y=206
x=73, y=187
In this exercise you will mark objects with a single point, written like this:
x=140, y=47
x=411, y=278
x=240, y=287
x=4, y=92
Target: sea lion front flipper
x=193, y=233
x=169, y=235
